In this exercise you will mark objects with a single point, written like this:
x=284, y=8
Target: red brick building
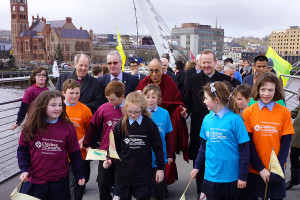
x=39, y=41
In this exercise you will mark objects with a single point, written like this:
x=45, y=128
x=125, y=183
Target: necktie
x=115, y=79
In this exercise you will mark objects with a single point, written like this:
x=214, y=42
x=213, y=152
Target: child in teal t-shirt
x=162, y=119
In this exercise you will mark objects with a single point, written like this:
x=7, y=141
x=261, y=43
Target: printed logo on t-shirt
x=257, y=127
x=134, y=142
x=49, y=146
x=109, y=123
x=38, y=144
x=217, y=134
x=207, y=134
x=267, y=127
x=126, y=140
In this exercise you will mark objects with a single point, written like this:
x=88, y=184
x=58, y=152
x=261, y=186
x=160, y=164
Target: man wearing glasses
x=114, y=64
x=195, y=106
x=90, y=92
x=134, y=67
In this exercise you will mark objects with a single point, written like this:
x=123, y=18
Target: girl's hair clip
x=139, y=91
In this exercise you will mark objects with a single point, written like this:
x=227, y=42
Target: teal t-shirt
x=162, y=119
x=223, y=136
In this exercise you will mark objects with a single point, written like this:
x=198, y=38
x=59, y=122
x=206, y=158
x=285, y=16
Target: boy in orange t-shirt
x=269, y=125
x=80, y=115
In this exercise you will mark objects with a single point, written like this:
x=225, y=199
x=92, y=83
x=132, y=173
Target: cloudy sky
x=237, y=17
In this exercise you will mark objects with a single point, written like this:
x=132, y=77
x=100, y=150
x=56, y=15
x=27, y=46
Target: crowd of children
x=236, y=141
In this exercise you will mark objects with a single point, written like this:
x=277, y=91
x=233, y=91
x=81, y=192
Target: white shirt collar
x=120, y=77
x=139, y=120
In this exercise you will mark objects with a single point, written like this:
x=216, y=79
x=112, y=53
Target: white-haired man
x=90, y=92
x=229, y=70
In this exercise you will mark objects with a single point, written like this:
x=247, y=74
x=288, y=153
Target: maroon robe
x=177, y=140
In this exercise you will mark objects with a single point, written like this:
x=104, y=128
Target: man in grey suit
x=165, y=66
x=90, y=92
x=114, y=64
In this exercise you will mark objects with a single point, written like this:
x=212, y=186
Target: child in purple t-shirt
x=48, y=136
x=37, y=82
x=106, y=118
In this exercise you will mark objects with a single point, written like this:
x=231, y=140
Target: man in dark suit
x=195, y=106
x=90, y=92
x=165, y=62
x=260, y=66
x=134, y=67
x=114, y=64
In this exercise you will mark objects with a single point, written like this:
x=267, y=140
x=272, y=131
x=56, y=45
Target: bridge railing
x=9, y=139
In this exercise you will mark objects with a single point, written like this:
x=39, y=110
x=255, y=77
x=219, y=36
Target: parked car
x=65, y=66
x=22, y=68
x=33, y=63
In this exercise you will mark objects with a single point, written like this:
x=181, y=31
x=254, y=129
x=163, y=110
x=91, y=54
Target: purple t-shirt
x=107, y=116
x=49, y=161
x=31, y=93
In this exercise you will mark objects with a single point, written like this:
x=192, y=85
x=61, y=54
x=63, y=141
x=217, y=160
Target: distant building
x=236, y=47
x=39, y=41
x=235, y=56
x=286, y=43
x=5, y=35
x=196, y=37
x=147, y=41
x=5, y=46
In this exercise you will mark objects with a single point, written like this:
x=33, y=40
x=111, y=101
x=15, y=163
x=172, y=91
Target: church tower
x=19, y=20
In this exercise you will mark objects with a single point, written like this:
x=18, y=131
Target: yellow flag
x=281, y=66
x=15, y=195
x=112, y=147
x=275, y=165
x=120, y=49
x=182, y=197
x=96, y=154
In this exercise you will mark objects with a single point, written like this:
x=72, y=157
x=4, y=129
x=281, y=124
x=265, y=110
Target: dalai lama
x=171, y=101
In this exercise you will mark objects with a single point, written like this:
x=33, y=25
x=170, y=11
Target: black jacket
x=173, y=76
x=90, y=90
x=180, y=80
x=196, y=108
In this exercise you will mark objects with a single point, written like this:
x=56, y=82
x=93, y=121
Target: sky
x=238, y=18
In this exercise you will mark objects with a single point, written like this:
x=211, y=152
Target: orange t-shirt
x=267, y=127
x=81, y=116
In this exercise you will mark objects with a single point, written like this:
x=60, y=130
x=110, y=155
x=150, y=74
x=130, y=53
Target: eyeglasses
x=41, y=75
x=112, y=63
x=134, y=112
x=154, y=70
x=213, y=89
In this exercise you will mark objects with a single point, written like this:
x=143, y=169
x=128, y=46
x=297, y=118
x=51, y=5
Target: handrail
x=8, y=139
x=290, y=76
x=290, y=91
x=10, y=101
